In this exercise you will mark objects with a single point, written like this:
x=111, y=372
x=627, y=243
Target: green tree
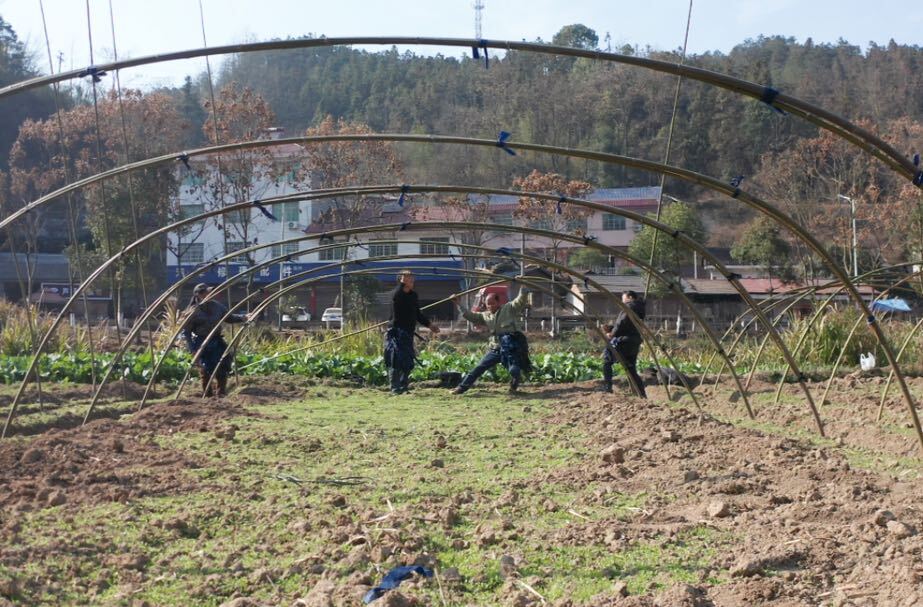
x=670, y=254
x=762, y=243
x=577, y=36
x=586, y=258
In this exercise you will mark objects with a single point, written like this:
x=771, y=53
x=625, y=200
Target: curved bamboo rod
x=677, y=235
x=884, y=391
x=820, y=311
x=818, y=116
x=885, y=347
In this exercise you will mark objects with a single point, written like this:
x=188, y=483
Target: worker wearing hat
x=204, y=315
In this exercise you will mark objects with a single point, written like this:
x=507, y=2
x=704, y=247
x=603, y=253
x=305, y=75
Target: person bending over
x=204, y=315
x=624, y=345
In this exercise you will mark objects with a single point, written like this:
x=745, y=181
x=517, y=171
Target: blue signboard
x=426, y=270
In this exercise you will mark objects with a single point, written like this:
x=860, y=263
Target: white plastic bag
x=867, y=361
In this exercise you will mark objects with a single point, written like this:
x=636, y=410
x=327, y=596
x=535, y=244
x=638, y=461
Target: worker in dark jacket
x=204, y=315
x=405, y=314
x=624, y=344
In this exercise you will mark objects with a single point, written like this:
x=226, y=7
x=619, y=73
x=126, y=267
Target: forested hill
x=588, y=104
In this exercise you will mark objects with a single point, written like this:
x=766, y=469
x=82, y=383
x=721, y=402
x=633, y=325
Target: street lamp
x=855, y=242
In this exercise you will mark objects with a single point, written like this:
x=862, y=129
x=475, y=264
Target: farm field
x=294, y=492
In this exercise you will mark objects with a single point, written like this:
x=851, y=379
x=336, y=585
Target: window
x=434, y=246
x=577, y=224
x=541, y=224
x=191, y=252
x=289, y=248
x=381, y=249
x=193, y=180
x=503, y=219
x=612, y=222
x=332, y=254
x=236, y=245
x=286, y=211
x=190, y=210
x=238, y=216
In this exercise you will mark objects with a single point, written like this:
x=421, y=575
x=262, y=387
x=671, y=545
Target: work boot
x=607, y=388
x=514, y=385
x=460, y=389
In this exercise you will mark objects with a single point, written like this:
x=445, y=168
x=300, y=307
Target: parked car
x=299, y=314
x=332, y=315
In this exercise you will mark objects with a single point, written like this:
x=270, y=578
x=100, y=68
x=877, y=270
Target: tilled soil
x=798, y=525
x=811, y=530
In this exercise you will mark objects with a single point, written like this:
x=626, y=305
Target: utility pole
x=855, y=240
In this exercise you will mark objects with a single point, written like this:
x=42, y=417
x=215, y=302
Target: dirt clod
x=899, y=530
x=719, y=509
x=613, y=454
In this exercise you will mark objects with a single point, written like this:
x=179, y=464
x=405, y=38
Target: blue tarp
x=890, y=305
x=394, y=579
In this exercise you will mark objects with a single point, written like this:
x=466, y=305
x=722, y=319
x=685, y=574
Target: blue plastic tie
x=918, y=178
x=736, y=181
x=184, y=158
x=769, y=96
x=871, y=319
x=404, y=225
x=561, y=199
x=733, y=276
x=506, y=251
x=264, y=210
x=586, y=281
x=93, y=72
x=405, y=189
x=501, y=143
x=588, y=239
x=477, y=55
x=916, y=160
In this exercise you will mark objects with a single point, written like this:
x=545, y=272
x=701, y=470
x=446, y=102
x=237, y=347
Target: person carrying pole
x=399, y=353
x=507, y=343
x=624, y=344
x=204, y=315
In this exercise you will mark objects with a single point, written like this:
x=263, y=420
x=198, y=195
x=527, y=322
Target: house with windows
x=440, y=266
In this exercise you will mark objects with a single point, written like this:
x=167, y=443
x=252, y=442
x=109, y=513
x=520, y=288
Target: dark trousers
x=490, y=360
x=400, y=379
x=628, y=349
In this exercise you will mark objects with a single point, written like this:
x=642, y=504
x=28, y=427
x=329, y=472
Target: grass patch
x=273, y=497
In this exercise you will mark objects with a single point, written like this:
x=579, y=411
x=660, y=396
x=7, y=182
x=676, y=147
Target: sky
x=145, y=27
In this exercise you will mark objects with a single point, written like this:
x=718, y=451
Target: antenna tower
x=478, y=13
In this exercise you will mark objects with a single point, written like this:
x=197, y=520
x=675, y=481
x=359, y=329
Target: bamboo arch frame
x=677, y=235
x=708, y=182
x=684, y=174
x=530, y=282
x=710, y=334
x=816, y=115
x=687, y=175
x=648, y=336
x=391, y=228
x=394, y=189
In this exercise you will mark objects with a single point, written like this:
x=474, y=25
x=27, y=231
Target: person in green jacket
x=507, y=342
